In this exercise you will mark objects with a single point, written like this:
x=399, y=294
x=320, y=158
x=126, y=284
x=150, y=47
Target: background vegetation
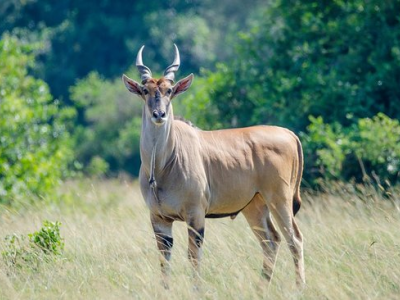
x=328, y=70
x=35, y=146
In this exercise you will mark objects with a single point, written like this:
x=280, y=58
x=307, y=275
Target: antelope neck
x=156, y=144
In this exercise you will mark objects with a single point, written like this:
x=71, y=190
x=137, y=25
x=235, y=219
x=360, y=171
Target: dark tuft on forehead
x=151, y=80
x=162, y=82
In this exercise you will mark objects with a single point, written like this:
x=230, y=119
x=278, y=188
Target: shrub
x=369, y=148
x=35, y=147
x=17, y=252
x=302, y=58
x=111, y=125
x=48, y=238
x=28, y=251
x=97, y=166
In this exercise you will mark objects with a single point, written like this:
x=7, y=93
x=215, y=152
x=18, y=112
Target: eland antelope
x=188, y=174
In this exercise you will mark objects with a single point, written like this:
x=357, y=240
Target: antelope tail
x=296, y=196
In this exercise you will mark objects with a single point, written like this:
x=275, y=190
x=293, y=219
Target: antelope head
x=157, y=93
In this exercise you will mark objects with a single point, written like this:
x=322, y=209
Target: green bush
x=112, y=124
x=197, y=104
x=331, y=59
x=35, y=147
x=97, y=166
x=369, y=150
x=43, y=245
x=48, y=238
x=18, y=252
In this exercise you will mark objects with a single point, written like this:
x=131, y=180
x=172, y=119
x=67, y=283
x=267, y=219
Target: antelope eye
x=169, y=91
x=145, y=91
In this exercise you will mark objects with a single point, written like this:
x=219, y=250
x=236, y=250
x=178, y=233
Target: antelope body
x=188, y=174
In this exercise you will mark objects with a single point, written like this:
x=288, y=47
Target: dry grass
x=352, y=251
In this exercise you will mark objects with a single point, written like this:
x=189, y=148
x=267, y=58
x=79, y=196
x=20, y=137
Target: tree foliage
x=35, y=147
x=328, y=70
x=367, y=151
x=336, y=59
x=85, y=36
x=112, y=119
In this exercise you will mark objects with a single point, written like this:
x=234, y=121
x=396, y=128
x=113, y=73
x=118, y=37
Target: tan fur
x=255, y=170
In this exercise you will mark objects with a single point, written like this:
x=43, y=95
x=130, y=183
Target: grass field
x=352, y=250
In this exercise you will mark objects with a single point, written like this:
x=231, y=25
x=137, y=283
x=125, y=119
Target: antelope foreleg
x=163, y=232
x=196, y=238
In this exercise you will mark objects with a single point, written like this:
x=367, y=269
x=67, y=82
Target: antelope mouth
x=160, y=121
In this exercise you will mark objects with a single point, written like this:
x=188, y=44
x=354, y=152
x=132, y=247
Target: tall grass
x=352, y=250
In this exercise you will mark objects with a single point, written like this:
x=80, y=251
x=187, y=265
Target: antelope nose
x=158, y=114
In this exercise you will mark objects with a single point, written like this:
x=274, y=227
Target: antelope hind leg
x=259, y=219
x=281, y=208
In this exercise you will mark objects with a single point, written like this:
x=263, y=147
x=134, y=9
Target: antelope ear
x=132, y=86
x=182, y=85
